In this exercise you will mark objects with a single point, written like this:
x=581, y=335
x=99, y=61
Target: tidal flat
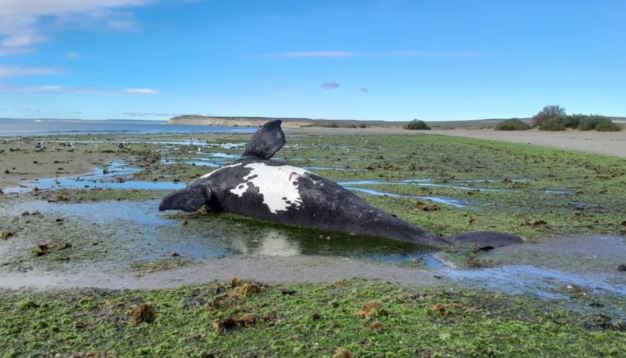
x=83, y=242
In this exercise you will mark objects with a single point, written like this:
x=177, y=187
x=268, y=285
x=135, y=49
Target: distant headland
x=287, y=122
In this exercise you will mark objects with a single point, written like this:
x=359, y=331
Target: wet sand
x=600, y=255
x=267, y=269
x=26, y=164
x=21, y=162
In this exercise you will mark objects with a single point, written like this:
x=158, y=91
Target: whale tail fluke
x=485, y=240
x=189, y=199
x=266, y=141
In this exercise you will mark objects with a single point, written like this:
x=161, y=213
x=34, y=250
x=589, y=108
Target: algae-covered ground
x=107, y=221
x=344, y=319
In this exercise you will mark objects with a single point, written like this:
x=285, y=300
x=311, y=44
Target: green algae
x=303, y=320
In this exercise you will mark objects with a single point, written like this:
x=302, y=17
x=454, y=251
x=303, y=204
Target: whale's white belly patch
x=277, y=184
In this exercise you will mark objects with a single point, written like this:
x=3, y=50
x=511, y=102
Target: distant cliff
x=287, y=122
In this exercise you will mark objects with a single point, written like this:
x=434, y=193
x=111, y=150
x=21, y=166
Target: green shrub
x=581, y=122
x=547, y=113
x=512, y=124
x=416, y=124
x=572, y=121
x=601, y=124
x=553, y=124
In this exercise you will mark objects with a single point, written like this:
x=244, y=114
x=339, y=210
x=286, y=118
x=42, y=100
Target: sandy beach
x=609, y=143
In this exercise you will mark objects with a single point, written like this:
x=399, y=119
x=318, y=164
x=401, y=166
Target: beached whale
x=270, y=190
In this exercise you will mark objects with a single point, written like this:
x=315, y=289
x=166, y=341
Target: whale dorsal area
x=266, y=141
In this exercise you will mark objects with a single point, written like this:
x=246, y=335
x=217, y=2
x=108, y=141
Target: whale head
x=189, y=199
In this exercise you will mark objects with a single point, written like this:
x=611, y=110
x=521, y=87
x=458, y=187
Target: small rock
x=27, y=303
x=40, y=250
x=4, y=234
x=371, y=309
x=223, y=325
x=343, y=353
x=621, y=267
x=141, y=313
x=536, y=223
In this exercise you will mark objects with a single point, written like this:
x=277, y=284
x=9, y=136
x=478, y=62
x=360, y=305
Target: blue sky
x=364, y=59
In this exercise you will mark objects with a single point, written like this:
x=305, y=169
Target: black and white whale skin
x=269, y=190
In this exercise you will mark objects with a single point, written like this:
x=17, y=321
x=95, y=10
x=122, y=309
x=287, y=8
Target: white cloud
x=72, y=55
x=313, y=54
x=22, y=41
x=340, y=54
x=7, y=51
x=18, y=71
x=46, y=89
x=20, y=19
x=139, y=91
x=434, y=54
x=52, y=88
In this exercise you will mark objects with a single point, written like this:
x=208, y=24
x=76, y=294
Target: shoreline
x=607, y=143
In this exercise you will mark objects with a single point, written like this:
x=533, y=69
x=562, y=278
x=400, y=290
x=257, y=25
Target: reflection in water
x=135, y=231
x=130, y=232
x=273, y=242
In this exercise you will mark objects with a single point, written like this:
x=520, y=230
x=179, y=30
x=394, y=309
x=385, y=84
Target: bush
x=580, y=122
x=598, y=123
x=512, y=124
x=547, y=113
x=416, y=124
x=553, y=124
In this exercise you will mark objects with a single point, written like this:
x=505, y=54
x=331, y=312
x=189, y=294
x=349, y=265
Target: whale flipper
x=266, y=141
x=189, y=199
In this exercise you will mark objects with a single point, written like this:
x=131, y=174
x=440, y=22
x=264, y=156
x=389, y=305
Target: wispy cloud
x=364, y=89
x=139, y=91
x=312, y=54
x=52, y=88
x=433, y=54
x=340, y=54
x=20, y=20
x=72, y=55
x=18, y=71
x=47, y=89
x=330, y=85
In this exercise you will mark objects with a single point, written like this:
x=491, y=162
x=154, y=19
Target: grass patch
x=363, y=318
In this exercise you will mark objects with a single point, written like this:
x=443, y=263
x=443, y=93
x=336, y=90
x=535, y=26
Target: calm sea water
x=20, y=127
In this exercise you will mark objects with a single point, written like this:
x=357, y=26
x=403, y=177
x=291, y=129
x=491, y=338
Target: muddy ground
x=81, y=212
